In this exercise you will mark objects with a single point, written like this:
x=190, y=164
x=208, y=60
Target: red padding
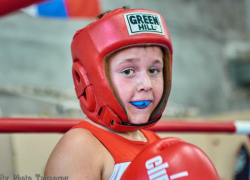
x=8, y=6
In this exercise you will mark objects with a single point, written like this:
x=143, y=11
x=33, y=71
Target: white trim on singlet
x=118, y=170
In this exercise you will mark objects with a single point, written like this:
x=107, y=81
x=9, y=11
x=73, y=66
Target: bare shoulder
x=77, y=155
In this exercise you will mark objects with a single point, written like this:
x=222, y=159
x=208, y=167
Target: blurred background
x=211, y=73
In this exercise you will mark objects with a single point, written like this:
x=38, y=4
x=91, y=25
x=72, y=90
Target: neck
x=136, y=135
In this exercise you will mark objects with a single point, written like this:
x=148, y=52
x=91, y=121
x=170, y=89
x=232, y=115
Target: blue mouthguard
x=140, y=104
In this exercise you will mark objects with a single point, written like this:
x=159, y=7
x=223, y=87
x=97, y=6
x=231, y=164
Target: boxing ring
x=56, y=125
x=47, y=125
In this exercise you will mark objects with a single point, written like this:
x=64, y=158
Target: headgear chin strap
x=94, y=44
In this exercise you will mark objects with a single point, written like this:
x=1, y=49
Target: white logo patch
x=143, y=23
x=157, y=170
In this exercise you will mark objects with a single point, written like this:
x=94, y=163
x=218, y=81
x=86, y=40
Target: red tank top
x=122, y=149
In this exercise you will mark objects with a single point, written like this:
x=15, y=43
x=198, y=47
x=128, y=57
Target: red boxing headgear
x=94, y=44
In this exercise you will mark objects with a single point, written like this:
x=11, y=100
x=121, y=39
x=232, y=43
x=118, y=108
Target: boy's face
x=137, y=75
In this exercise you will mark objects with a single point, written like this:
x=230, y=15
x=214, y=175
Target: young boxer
x=122, y=72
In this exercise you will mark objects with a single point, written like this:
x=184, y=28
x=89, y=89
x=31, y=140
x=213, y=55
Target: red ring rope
x=46, y=125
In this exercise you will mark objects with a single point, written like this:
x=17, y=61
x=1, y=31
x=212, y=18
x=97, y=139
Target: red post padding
x=8, y=6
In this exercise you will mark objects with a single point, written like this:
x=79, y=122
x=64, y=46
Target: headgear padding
x=94, y=44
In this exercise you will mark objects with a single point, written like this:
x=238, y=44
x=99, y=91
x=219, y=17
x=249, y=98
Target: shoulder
x=75, y=154
x=78, y=137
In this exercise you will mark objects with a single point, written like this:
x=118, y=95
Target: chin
x=139, y=120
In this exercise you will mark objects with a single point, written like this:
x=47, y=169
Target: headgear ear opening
x=83, y=87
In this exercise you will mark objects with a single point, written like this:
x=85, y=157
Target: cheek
x=158, y=89
x=123, y=88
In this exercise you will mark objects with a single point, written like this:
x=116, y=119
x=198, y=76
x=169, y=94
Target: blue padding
x=54, y=8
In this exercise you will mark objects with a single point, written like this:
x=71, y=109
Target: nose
x=144, y=82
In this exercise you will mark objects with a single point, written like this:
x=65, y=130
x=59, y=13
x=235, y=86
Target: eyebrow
x=158, y=62
x=135, y=60
x=129, y=60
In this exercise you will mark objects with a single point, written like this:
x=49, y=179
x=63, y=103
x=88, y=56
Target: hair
x=102, y=14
